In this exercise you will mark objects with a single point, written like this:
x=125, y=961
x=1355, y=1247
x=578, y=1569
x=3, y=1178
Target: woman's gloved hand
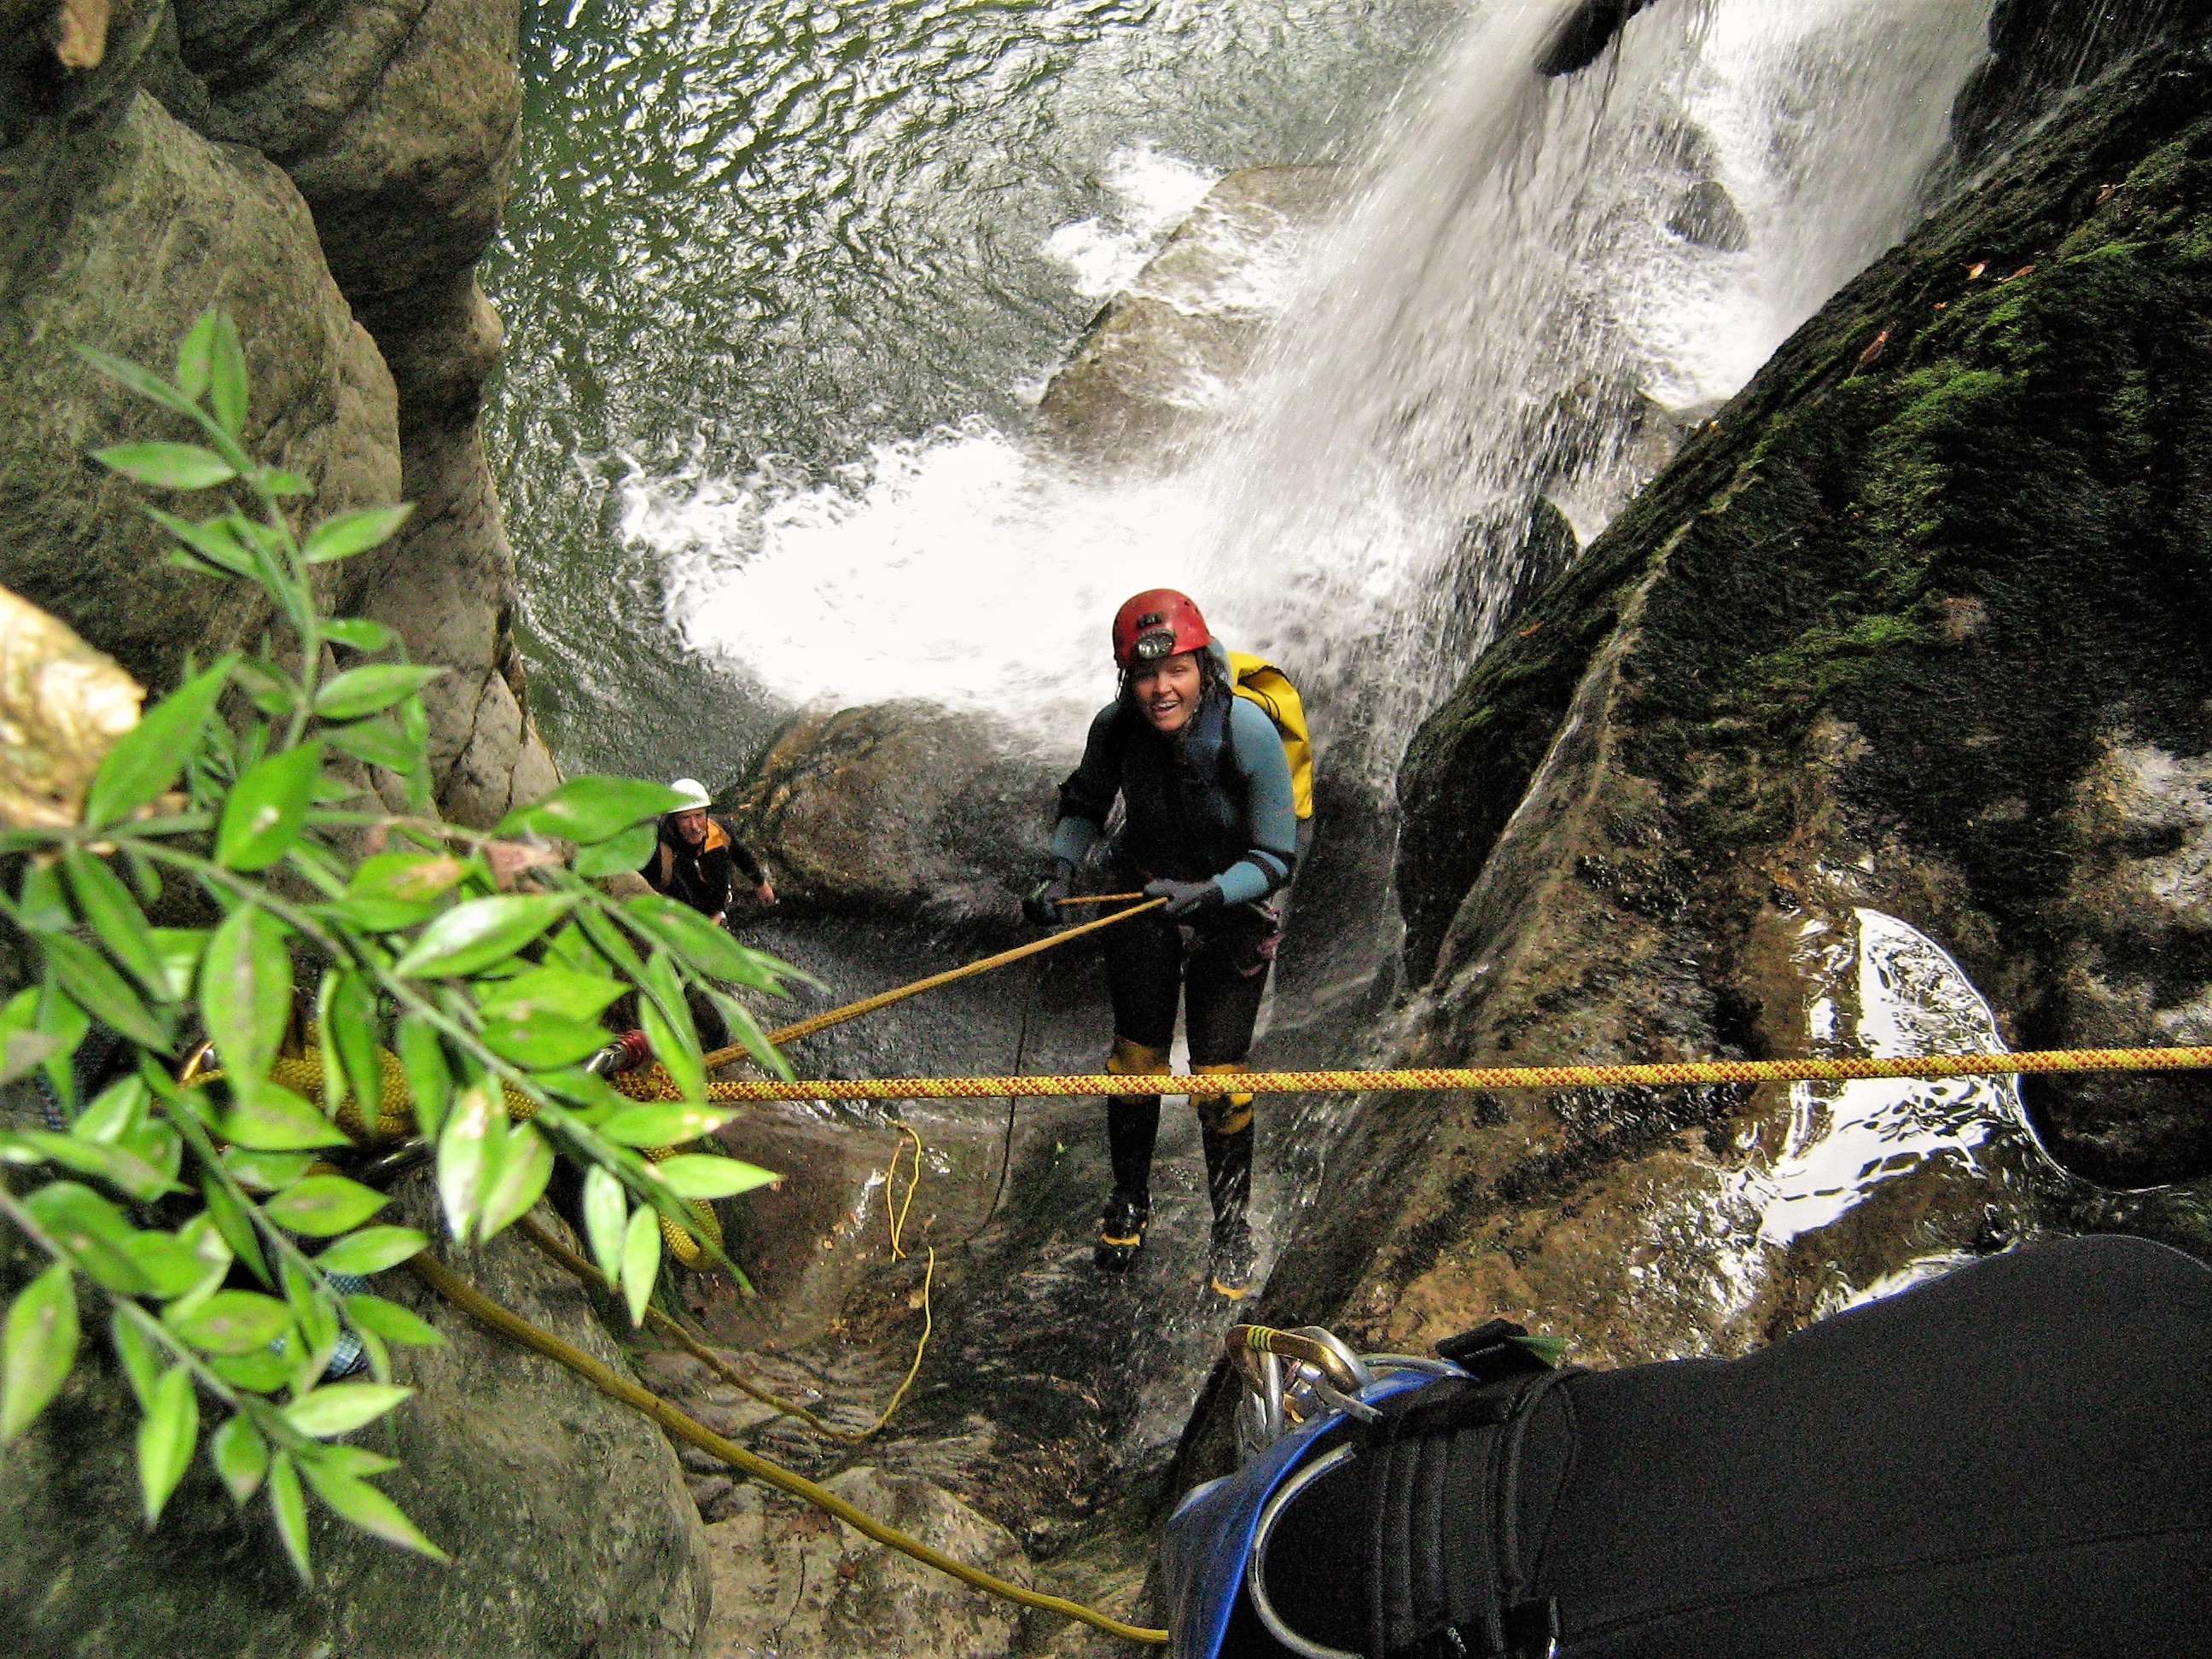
x=1043, y=907
x=1186, y=898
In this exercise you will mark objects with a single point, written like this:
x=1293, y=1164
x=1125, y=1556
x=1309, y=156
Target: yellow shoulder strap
x=1262, y=683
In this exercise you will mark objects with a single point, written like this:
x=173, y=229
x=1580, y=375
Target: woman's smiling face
x=1167, y=691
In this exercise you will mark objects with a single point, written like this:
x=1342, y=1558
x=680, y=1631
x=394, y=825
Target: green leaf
x=125, y=1171
x=366, y=1508
x=167, y=466
x=604, y=1208
x=101, y=991
x=344, y=534
x=349, y=1028
x=167, y=1434
x=429, y=1079
x=277, y=482
x=323, y=1205
x=118, y=1110
x=21, y=1053
x=62, y=1020
x=268, y=808
x=662, y=1125
x=234, y=1322
x=473, y=936
x=40, y=904
x=107, y=903
x=227, y=382
x=265, y=1172
x=231, y=1221
x=542, y=1041
x=525, y=1164
x=355, y=1460
x=378, y=742
x=590, y=809
x=38, y=1350
x=371, y=688
x=466, y=1149
x=168, y=1265
x=269, y=1117
x=340, y=1408
x=641, y=1260
x=147, y=759
x=552, y=990
x=609, y=941
x=240, y=1458
x=393, y=1322
x=667, y=1021
x=195, y=354
x=362, y=633
x=707, y=948
x=246, y=991
x=179, y=949
x=264, y=1370
x=627, y=852
x=371, y=1250
x=215, y=541
x=290, y=1507
x=93, y=1231
x=143, y=381
x=393, y=890
x=142, y=1361
x=704, y=1177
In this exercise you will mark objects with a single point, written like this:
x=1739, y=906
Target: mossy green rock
x=1934, y=586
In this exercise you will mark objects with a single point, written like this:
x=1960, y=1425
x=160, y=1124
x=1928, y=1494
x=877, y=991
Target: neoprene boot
x=1226, y=1130
x=1132, y=1125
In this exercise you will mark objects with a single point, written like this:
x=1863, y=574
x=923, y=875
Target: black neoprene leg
x=1228, y=1171
x=1133, y=1128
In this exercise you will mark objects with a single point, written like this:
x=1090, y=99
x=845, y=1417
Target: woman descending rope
x=1209, y=826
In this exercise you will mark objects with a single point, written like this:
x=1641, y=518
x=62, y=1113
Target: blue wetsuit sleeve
x=1271, y=821
x=1087, y=796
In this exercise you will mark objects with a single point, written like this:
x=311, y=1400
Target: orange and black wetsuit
x=700, y=875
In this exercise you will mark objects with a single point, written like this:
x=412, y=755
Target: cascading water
x=1534, y=274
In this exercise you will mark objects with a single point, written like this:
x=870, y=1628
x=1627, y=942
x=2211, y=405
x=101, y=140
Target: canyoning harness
x=1444, y=1437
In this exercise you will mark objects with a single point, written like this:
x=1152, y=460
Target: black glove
x=1043, y=907
x=1186, y=898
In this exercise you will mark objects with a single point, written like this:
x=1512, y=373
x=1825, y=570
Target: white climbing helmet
x=694, y=793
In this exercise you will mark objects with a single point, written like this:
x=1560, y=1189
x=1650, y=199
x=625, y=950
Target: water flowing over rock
x=1877, y=724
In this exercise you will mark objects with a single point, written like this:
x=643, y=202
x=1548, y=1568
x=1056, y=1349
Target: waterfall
x=1535, y=285
x=1541, y=280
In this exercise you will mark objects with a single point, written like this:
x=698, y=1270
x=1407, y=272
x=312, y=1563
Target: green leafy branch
x=460, y=979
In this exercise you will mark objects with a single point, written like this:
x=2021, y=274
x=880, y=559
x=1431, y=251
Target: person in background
x=1209, y=826
x=695, y=853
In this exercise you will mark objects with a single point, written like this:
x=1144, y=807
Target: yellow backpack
x=1257, y=678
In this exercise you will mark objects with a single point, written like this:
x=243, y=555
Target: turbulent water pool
x=755, y=241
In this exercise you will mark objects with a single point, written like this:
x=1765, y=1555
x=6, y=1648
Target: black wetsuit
x=2012, y=1461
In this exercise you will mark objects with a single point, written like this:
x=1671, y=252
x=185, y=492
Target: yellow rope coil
x=441, y=1278
x=1431, y=1079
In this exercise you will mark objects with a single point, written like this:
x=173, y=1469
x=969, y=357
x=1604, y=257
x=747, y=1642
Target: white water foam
x=1458, y=347
x=1157, y=191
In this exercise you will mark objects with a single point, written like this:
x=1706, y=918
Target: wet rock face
x=566, y=1514
x=900, y=808
x=1161, y=358
x=789, y=1579
x=1912, y=630
x=378, y=138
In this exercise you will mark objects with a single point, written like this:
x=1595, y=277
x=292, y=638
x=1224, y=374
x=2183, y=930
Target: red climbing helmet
x=1159, y=622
